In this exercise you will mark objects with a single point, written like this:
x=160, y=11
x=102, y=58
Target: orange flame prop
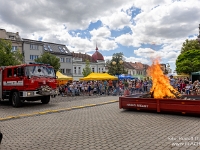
x=161, y=86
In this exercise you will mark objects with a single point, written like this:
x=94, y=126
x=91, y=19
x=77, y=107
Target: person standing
x=110, y=84
x=105, y=83
x=1, y=137
x=182, y=87
x=145, y=84
x=172, y=81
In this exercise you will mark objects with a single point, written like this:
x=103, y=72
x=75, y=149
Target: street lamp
x=114, y=62
x=117, y=62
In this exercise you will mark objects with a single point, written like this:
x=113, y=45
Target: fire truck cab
x=27, y=82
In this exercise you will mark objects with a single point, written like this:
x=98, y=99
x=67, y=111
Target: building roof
x=137, y=65
x=14, y=36
x=50, y=47
x=128, y=65
x=10, y=35
x=97, y=55
x=84, y=57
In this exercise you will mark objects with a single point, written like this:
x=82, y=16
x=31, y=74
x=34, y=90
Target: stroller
x=117, y=91
x=121, y=91
x=114, y=93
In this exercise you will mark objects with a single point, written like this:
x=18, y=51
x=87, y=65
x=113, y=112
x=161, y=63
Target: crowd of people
x=106, y=87
x=185, y=85
x=117, y=87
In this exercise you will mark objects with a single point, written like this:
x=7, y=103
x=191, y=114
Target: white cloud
x=137, y=59
x=117, y=20
x=168, y=21
x=128, y=40
x=101, y=32
x=163, y=22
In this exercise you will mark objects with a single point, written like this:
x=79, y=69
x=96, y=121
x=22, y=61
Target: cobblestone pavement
x=55, y=103
x=103, y=127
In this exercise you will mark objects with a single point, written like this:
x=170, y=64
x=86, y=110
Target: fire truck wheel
x=45, y=99
x=16, y=102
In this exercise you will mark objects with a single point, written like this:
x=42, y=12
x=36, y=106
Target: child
x=187, y=89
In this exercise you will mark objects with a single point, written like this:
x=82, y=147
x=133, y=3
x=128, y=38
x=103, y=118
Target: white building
x=97, y=63
x=33, y=49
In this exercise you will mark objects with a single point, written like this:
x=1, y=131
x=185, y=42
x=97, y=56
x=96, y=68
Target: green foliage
x=7, y=56
x=188, y=62
x=87, y=70
x=48, y=58
x=190, y=45
x=118, y=68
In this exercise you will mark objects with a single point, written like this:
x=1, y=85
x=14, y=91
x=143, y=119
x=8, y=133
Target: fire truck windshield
x=39, y=71
x=51, y=72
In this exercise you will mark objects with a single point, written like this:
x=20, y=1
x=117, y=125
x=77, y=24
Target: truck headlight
x=28, y=93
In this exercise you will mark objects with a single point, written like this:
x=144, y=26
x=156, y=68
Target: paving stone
x=103, y=127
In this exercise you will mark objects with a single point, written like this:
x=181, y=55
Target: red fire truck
x=27, y=82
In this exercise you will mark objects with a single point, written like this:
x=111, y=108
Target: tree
x=48, y=58
x=188, y=62
x=87, y=70
x=115, y=65
x=7, y=56
x=190, y=45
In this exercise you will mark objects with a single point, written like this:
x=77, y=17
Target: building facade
x=97, y=63
x=34, y=49
x=17, y=43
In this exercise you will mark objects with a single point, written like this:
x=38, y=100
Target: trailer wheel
x=16, y=102
x=45, y=99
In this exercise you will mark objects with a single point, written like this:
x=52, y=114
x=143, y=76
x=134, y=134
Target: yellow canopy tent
x=62, y=79
x=99, y=76
x=109, y=77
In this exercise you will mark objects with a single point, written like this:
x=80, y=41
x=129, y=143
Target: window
x=15, y=72
x=68, y=71
x=14, y=48
x=79, y=70
x=68, y=60
x=33, y=47
x=62, y=70
x=102, y=69
x=99, y=69
x=11, y=37
x=74, y=70
x=45, y=48
x=92, y=69
x=50, y=49
x=62, y=59
x=33, y=57
x=65, y=50
x=61, y=50
x=9, y=73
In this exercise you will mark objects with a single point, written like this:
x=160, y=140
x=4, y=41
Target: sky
x=140, y=29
